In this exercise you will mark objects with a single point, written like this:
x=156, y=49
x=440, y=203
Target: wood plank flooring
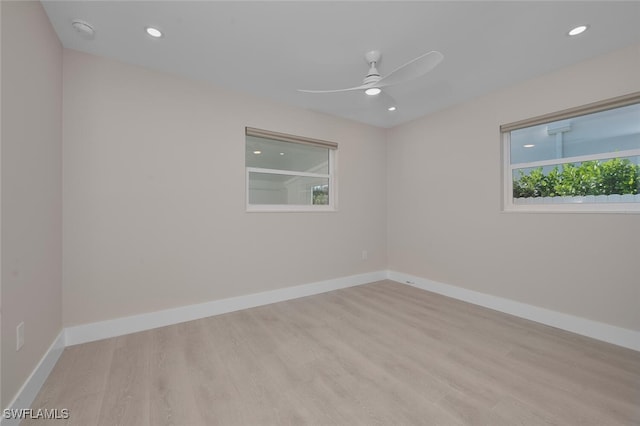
x=378, y=354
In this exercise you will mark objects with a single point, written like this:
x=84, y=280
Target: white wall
x=445, y=219
x=31, y=189
x=154, y=195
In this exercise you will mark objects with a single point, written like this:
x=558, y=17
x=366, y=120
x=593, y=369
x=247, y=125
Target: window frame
x=577, y=206
x=332, y=148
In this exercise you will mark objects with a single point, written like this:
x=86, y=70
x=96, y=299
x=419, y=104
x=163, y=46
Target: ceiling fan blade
x=383, y=100
x=364, y=86
x=380, y=102
x=412, y=69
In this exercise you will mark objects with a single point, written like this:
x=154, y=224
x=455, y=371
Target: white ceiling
x=270, y=49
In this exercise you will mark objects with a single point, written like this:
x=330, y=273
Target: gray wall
x=31, y=189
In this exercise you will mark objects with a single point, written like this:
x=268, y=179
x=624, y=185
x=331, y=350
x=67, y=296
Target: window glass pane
x=279, y=155
x=267, y=188
x=615, y=176
x=607, y=131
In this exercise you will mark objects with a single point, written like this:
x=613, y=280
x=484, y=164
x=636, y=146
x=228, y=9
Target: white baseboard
x=132, y=324
x=585, y=327
x=29, y=390
x=126, y=325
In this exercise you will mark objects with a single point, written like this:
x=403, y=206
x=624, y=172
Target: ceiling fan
x=373, y=82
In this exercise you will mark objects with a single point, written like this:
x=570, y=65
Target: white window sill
x=575, y=207
x=289, y=209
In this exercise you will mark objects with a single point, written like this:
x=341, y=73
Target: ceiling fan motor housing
x=372, y=57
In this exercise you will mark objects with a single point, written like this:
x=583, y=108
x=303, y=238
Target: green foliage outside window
x=615, y=176
x=321, y=195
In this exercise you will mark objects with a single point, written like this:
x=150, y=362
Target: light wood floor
x=382, y=353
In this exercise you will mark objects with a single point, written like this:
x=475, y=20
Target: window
x=289, y=173
x=583, y=159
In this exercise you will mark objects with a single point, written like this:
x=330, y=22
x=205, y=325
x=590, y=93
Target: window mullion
x=577, y=159
x=286, y=172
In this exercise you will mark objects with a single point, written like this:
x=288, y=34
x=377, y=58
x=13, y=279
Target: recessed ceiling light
x=153, y=32
x=578, y=30
x=282, y=153
x=392, y=108
x=257, y=152
x=372, y=91
x=529, y=145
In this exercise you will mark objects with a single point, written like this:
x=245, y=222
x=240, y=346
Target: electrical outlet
x=365, y=255
x=19, y=336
